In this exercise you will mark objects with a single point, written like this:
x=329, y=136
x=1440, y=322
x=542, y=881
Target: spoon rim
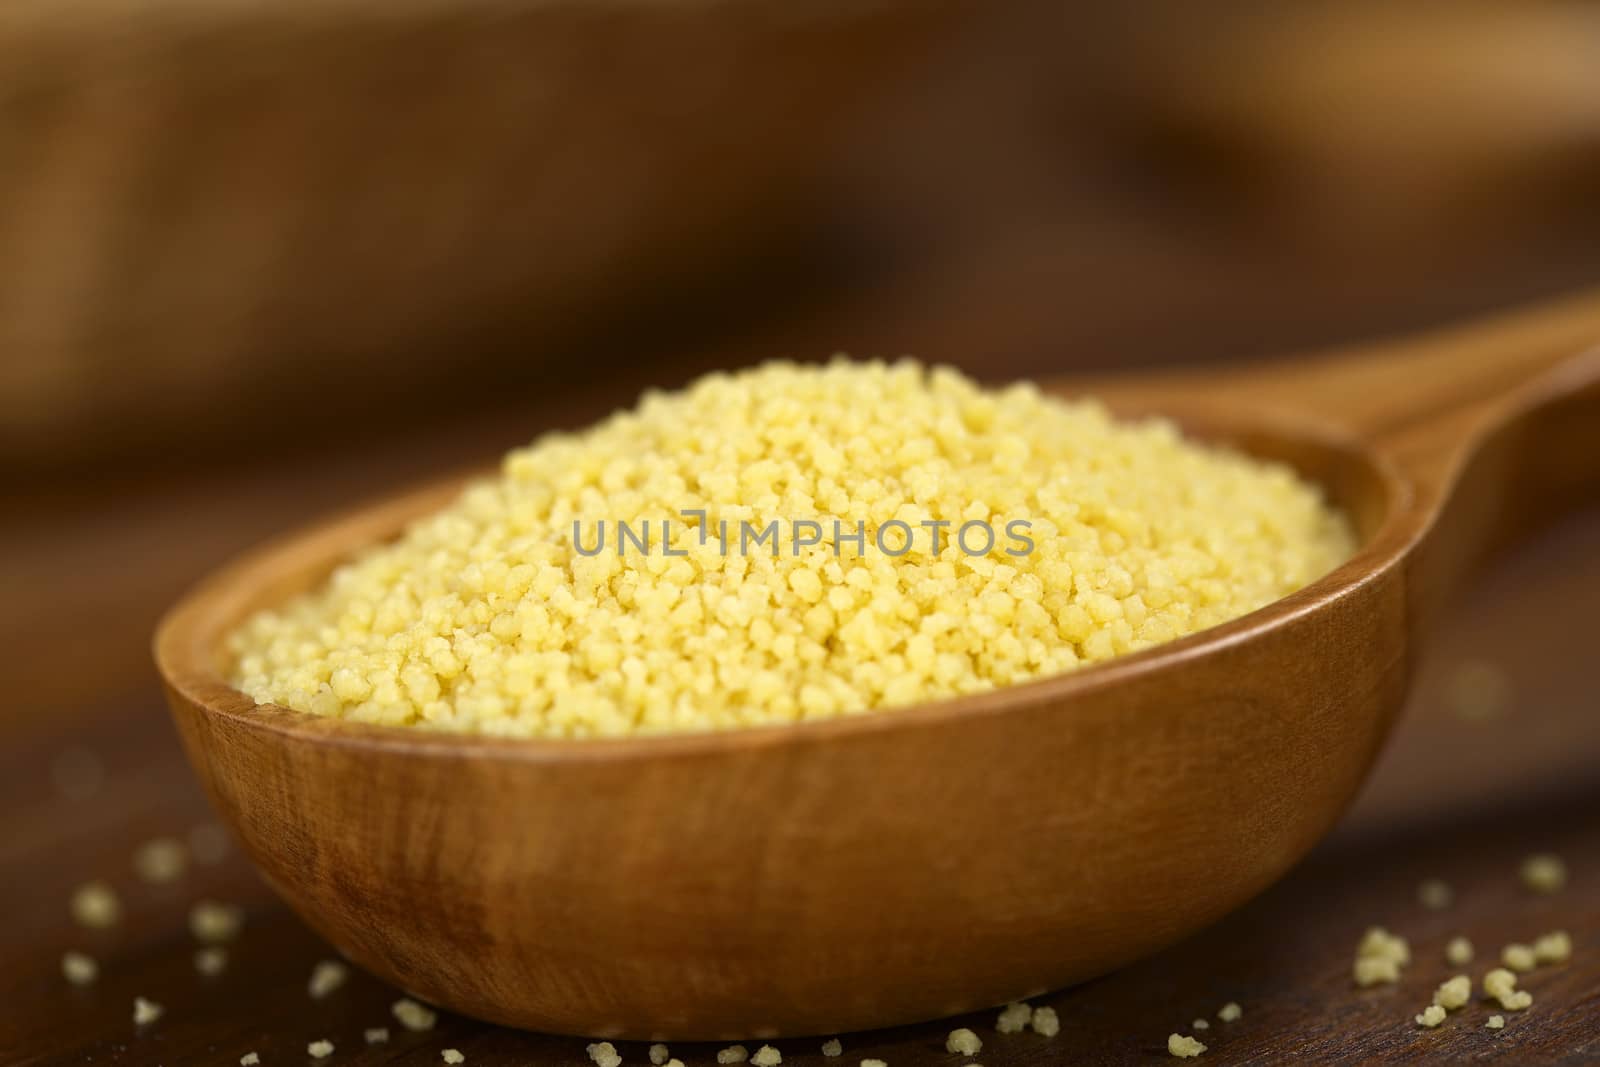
x=187, y=639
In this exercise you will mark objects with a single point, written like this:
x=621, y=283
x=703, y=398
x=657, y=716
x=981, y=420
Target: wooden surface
x=760, y=847
x=1453, y=798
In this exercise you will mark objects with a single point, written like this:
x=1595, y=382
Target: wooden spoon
x=887, y=868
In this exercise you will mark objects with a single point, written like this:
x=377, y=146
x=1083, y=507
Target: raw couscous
x=842, y=538
x=326, y=976
x=1183, y=1047
x=79, y=969
x=963, y=1042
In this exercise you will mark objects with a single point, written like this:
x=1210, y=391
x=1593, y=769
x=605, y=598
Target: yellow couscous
x=792, y=543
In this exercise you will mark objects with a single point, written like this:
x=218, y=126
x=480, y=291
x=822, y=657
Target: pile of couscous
x=791, y=543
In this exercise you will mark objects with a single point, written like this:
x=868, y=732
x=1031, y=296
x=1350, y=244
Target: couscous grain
x=1458, y=952
x=832, y=1048
x=1230, y=1012
x=1453, y=993
x=911, y=536
x=659, y=1054
x=766, y=1056
x=604, y=1054
x=1431, y=1016
x=1544, y=873
x=375, y=1035
x=1375, y=970
x=452, y=1056
x=326, y=976
x=96, y=905
x=249, y=1059
x=413, y=1016
x=320, y=1050
x=1554, y=947
x=1496, y=1022
x=79, y=969
x=1501, y=984
x=1045, y=1022
x=146, y=1011
x=160, y=860
x=1519, y=957
x=963, y=1042
x=733, y=1054
x=1014, y=1018
x=1183, y=1047
x=1435, y=894
x=213, y=922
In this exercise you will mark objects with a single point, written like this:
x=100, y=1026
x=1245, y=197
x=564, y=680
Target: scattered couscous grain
x=1454, y=993
x=1519, y=957
x=1435, y=894
x=1014, y=1018
x=96, y=905
x=660, y=1054
x=320, y=1050
x=208, y=843
x=603, y=1054
x=249, y=1059
x=1458, y=952
x=1431, y=1016
x=963, y=1042
x=1501, y=984
x=832, y=1048
x=211, y=960
x=413, y=1016
x=1230, y=1012
x=452, y=1056
x=1379, y=943
x=1379, y=957
x=733, y=1054
x=160, y=860
x=1554, y=947
x=1045, y=1022
x=1496, y=1022
x=873, y=1063
x=1183, y=1047
x=674, y=1062
x=1375, y=970
x=375, y=1035
x=1200, y=1024
x=326, y=976
x=146, y=1011
x=1544, y=873
x=213, y=922
x=79, y=969
x=894, y=535
x=766, y=1056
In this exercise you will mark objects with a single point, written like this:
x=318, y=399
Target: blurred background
x=260, y=259
x=264, y=235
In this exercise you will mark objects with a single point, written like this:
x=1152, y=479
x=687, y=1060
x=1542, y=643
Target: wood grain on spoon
x=824, y=877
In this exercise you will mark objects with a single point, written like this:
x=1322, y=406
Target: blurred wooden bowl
x=310, y=206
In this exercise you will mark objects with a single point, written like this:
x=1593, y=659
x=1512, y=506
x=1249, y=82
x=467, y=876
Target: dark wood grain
x=1456, y=799
x=1462, y=800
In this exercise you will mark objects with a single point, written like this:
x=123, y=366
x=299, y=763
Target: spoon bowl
x=886, y=868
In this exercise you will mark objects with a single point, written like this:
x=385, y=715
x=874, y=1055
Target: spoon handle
x=1494, y=425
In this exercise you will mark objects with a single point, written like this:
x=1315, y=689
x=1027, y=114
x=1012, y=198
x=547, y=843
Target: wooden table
x=86, y=570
